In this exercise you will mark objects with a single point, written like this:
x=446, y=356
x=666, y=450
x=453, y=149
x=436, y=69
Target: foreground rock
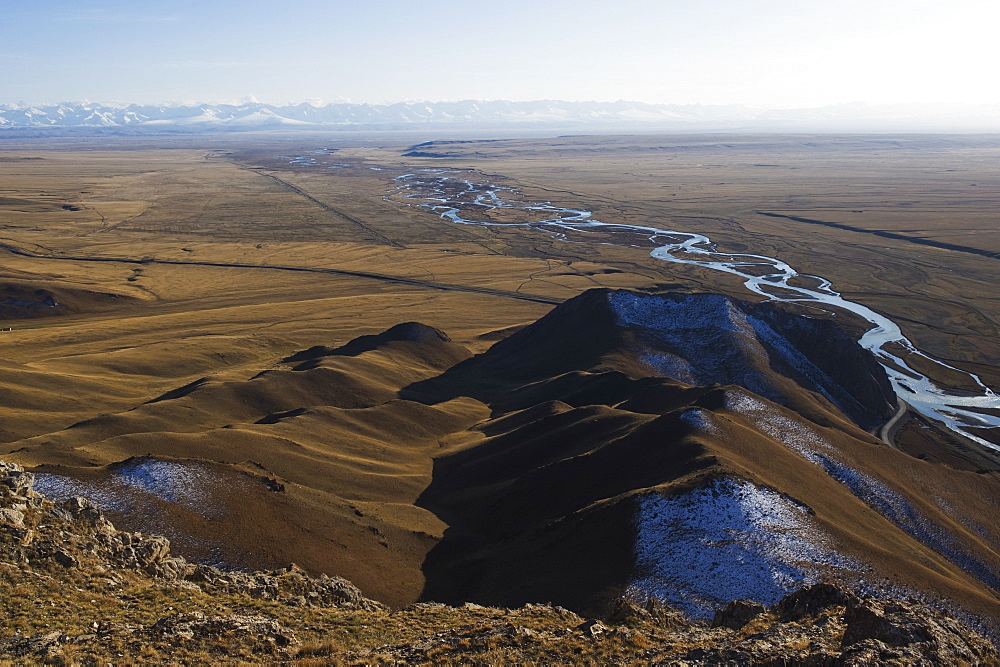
x=76, y=534
x=820, y=625
x=78, y=591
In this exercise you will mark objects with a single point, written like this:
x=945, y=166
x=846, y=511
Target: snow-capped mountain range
x=498, y=113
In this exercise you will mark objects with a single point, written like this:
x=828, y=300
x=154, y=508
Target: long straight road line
x=401, y=280
x=884, y=233
x=375, y=234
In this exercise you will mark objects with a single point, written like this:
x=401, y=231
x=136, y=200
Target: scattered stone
x=812, y=599
x=12, y=517
x=291, y=582
x=47, y=645
x=14, y=481
x=554, y=611
x=936, y=636
x=426, y=606
x=82, y=508
x=718, y=656
x=65, y=559
x=243, y=629
x=874, y=652
x=78, y=535
x=625, y=611
x=592, y=629
x=821, y=625
x=274, y=485
x=737, y=613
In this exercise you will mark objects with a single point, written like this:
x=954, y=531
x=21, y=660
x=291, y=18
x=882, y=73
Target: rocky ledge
x=76, y=534
x=78, y=591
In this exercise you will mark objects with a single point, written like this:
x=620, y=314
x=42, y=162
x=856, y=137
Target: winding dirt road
x=888, y=431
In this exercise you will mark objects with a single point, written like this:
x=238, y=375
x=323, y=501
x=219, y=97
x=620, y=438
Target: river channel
x=451, y=197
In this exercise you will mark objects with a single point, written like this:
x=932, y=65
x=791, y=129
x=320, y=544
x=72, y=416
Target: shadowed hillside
x=102, y=594
x=691, y=449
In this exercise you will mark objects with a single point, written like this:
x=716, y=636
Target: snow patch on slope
x=793, y=434
x=701, y=339
x=185, y=484
x=707, y=338
x=875, y=493
x=897, y=509
x=702, y=549
x=701, y=420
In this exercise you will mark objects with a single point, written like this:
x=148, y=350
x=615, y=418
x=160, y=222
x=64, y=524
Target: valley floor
x=265, y=351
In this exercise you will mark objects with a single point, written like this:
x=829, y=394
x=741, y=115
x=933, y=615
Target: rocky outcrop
x=811, y=601
x=255, y=635
x=737, y=614
x=196, y=626
x=291, y=585
x=886, y=629
x=74, y=542
x=76, y=534
x=46, y=645
x=837, y=626
x=820, y=625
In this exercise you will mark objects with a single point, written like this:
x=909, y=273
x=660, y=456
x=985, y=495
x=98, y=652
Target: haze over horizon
x=765, y=53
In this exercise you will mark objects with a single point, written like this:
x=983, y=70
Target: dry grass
x=218, y=271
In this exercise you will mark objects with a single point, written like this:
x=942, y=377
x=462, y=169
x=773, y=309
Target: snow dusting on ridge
x=186, y=484
x=793, y=434
x=701, y=339
x=808, y=443
x=702, y=549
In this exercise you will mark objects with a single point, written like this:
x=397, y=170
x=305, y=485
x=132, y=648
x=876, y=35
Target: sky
x=769, y=53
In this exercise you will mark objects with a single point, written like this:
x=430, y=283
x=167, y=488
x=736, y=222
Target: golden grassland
x=105, y=621
x=132, y=269
x=241, y=202
x=944, y=189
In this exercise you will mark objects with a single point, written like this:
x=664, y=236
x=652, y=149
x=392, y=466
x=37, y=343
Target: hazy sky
x=759, y=52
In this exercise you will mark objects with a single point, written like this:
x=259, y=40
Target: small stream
x=450, y=197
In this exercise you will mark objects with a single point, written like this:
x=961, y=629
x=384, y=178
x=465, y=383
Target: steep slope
x=598, y=437
x=687, y=448
x=83, y=592
x=318, y=462
x=693, y=339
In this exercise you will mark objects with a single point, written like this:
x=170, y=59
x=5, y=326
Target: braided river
x=451, y=197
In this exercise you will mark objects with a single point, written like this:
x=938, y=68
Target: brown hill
x=81, y=592
x=688, y=448
x=43, y=298
x=695, y=339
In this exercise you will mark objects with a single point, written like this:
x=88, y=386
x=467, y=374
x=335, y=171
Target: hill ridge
x=421, y=471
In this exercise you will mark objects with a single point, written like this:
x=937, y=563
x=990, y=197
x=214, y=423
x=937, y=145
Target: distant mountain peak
x=486, y=114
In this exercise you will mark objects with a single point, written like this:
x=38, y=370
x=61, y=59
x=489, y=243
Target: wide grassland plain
x=131, y=268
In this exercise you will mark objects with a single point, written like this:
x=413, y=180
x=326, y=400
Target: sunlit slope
x=545, y=467
x=588, y=442
x=331, y=431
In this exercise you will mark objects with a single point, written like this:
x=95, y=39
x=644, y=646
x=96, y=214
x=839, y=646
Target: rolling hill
x=687, y=448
